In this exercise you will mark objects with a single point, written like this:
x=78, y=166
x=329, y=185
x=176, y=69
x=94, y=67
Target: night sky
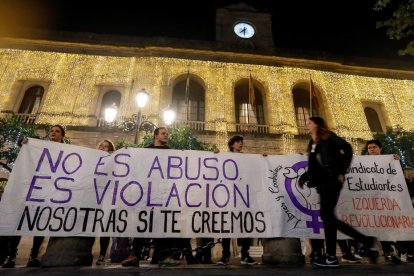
x=338, y=27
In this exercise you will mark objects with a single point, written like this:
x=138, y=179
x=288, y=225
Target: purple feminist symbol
x=315, y=224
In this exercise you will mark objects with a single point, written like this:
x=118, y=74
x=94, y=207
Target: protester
x=410, y=185
x=163, y=253
x=374, y=147
x=108, y=146
x=235, y=144
x=3, y=239
x=329, y=159
x=409, y=245
x=56, y=134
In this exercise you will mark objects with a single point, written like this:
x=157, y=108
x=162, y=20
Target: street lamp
x=136, y=123
x=169, y=116
x=142, y=99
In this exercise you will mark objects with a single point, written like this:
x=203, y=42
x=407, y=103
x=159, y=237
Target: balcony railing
x=252, y=128
x=101, y=123
x=302, y=130
x=194, y=125
x=26, y=118
x=128, y=123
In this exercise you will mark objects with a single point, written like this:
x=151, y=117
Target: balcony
x=121, y=120
x=302, y=130
x=252, y=128
x=194, y=125
x=26, y=118
x=127, y=123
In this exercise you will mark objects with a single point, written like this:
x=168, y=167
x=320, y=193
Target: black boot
x=33, y=259
x=34, y=253
x=13, y=243
x=206, y=259
x=188, y=255
x=10, y=262
x=33, y=262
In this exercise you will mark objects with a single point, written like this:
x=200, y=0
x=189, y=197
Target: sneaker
x=9, y=263
x=350, y=258
x=248, y=261
x=410, y=258
x=33, y=262
x=358, y=257
x=392, y=259
x=328, y=261
x=101, y=260
x=315, y=257
x=372, y=250
x=189, y=258
x=169, y=262
x=130, y=261
x=223, y=261
x=403, y=257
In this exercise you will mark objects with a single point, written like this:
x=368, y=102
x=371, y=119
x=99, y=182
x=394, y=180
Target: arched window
x=194, y=110
x=301, y=101
x=31, y=100
x=245, y=112
x=110, y=97
x=374, y=122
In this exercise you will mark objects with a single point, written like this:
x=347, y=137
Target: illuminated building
x=70, y=79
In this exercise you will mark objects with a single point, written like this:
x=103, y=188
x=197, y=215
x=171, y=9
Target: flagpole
x=310, y=96
x=252, y=99
x=187, y=93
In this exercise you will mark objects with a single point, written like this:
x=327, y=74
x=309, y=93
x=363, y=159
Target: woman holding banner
x=235, y=144
x=108, y=146
x=56, y=134
x=374, y=147
x=329, y=159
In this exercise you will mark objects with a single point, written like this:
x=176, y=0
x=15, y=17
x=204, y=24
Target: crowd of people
x=329, y=157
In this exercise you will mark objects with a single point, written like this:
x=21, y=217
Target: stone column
x=282, y=251
x=68, y=251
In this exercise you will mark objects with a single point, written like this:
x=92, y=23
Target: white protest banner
x=64, y=190
x=374, y=199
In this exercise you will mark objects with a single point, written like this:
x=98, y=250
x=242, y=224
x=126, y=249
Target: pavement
x=235, y=268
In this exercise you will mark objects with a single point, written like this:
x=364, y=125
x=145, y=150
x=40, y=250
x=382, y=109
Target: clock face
x=244, y=30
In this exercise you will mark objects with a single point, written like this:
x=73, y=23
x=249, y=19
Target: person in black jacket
x=374, y=147
x=235, y=144
x=329, y=159
x=160, y=142
x=164, y=247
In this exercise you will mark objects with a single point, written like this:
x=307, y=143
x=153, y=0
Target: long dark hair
x=322, y=132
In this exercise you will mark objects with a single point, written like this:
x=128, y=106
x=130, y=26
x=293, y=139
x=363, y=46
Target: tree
x=179, y=138
x=401, y=23
x=398, y=141
x=12, y=131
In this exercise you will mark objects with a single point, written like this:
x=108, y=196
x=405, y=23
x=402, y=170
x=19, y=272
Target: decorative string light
x=75, y=81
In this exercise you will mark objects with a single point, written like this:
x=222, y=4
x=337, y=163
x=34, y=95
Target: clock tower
x=243, y=27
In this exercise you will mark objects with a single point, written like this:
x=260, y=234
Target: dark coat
x=330, y=159
x=152, y=146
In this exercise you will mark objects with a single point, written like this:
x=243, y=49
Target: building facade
x=72, y=80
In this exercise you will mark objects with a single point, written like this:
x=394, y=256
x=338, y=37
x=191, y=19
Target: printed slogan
x=64, y=190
